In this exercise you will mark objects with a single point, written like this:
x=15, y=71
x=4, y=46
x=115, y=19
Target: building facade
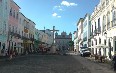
x=80, y=32
x=103, y=21
x=4, y=14
x=76, y=41
x=13, y=34
x=86, y=31
x=62, y=41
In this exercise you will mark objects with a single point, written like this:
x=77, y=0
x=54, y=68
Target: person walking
x=11, y=53
x=114, y=62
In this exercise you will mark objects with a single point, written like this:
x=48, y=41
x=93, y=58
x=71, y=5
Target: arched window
x=17, y=16
x=14, y=14
x=114, y=18
x=107, y=2
x=11, y=12
x=108, y=20
x=104, y=23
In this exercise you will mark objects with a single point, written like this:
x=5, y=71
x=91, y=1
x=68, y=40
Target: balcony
x=24, y=38
x=97, y=31
x=91, y=35
x=114, y=22
x=32, y=39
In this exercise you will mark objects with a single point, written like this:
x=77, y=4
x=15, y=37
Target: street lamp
x=109, y=44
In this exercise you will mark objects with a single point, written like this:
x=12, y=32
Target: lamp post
x=109, y=53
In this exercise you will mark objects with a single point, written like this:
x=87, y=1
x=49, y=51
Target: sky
x=63, y=14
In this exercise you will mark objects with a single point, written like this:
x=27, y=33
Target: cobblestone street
x=50, y=64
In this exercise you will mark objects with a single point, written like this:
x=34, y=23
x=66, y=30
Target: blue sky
x=63, y=14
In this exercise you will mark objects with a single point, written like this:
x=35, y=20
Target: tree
x=71, y=44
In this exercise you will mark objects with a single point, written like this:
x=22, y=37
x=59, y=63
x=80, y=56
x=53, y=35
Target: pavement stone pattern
x=93, y=66
x=52, y=64
x=43, y=64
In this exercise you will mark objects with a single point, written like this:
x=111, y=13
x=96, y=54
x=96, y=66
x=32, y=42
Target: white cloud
x=59, y=16
x=59, y=8
x=54, y=14
x=65, y=3
x=73, y=4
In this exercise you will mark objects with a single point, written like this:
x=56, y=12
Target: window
x=114, y=18
x=14, y=14
x=99, y=41
x=9, y=27
x=107, y=2
x=22, y=33
x=13, y=29
x=20, y=20
x=92, y=28
x=104, y=23
x=108, y=20
x=16, y=29
x=17, y=16
x=96, y=41
x=0, y=45
x=105, y=42
x=95, y=25
x=114, y=15
x=11, y=12
x=99, y=28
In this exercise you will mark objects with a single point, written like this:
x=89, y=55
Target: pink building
x=13, y=25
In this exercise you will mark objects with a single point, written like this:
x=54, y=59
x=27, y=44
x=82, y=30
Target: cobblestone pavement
x=93, y=66
x=52, y=64
x=43, y=64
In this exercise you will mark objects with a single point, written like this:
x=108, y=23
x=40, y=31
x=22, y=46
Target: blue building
x=86, y=31
x=4, y=13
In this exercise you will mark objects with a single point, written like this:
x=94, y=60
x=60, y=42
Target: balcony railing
x=97, y=31
x=32, y=39
x=24, y=38
x=114, y=22
x=14, y=34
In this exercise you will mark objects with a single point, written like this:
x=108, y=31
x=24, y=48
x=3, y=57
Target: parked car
x=85, y=52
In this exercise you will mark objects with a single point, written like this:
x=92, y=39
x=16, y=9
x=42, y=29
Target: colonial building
x=103, y=22
x=62, y=41
x=4, y=16
x=86, y=31
x=80, y=32
x=14, y=30
x=76, y=46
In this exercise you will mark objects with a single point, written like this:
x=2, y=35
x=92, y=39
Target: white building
x=103, y=22
x=50, y=36
x=76, y=41
x=86, y=31
x=80, y=32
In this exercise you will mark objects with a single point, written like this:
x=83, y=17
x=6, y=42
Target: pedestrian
x=6, y=52
x=114, y=62
x=11, y=53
